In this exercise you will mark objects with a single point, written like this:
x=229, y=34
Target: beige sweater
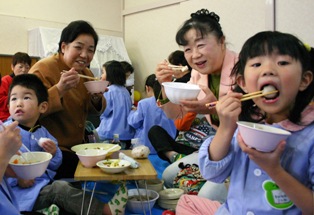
x=66, y=116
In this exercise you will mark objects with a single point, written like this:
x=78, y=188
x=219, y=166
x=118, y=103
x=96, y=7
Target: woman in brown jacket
x=69, y=101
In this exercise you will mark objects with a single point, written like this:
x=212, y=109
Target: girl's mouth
x=268, y=88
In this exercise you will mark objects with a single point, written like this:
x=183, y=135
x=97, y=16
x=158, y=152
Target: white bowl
x=103, y=146
x=262, y=137
x=177, y=91
x=167, y=203
x=154, y=184
x=96, y=86
x=171, y=193
x=113, y=165
x=37, y=166
x=134, y=205
x=89, y=157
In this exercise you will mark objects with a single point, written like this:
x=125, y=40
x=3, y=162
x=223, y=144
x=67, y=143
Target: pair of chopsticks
x=86, y=76
x=89, y=77
x=246, y=97
x=178, y=68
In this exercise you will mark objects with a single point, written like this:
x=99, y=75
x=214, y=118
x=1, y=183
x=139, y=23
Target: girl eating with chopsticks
x=276, y=182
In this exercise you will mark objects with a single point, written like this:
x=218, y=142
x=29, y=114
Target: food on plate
x=113, y=163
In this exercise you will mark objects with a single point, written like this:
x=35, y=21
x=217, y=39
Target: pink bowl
x=96, y=86
x=262, y=137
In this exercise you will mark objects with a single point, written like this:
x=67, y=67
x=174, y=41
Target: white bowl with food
x=35, y=165
x=261, y=137
x=176, y=91
x=89, y=157
x=100, y=146
x=139, y=199
x=113, y=165
x=96, y=86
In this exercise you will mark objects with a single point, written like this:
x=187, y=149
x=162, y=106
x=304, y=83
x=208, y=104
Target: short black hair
x=76, y=28
x=115, y=73
x=30, y=81
x=127, y=66
x=21, y=57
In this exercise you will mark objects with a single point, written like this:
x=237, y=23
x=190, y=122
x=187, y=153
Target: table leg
x=82, y=207
x=91, y=198
x=147, y=198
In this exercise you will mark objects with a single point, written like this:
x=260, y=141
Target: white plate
x=104, y=146
x=122, y=165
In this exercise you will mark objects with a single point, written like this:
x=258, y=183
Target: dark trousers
x=68, y=166
x=163, y=142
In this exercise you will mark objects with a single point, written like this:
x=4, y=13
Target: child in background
x=277, y=182
x=177, y=58
x=21, y=63
x=129, y=75
x=119, y=104
x=149, y=114
x=28, y=100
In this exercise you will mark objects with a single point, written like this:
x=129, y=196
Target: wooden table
x=145, y=171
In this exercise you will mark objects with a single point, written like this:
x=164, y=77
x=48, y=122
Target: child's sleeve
x=184, y=124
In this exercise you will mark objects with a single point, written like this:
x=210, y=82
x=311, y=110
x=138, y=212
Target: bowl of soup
x=31, y=165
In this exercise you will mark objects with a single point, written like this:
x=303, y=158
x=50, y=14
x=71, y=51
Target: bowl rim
x=274, y=130
x=153, y=191
x=31, y=164
x=176, y=85
x=92, y=145
x=78, y=153
x=98, y=81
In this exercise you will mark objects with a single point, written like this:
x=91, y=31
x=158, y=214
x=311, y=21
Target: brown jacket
x=66, y=116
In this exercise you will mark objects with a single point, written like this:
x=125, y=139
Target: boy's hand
x=25, y=183
x=50, y=147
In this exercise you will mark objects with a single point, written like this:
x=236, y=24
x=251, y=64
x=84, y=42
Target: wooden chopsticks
x=86, y=76
x=89, y=77
x=246, y=97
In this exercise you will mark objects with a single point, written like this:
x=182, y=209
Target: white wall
x=19, y=16
x=150, y=26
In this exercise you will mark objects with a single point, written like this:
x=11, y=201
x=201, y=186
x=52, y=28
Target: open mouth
x=269, y=88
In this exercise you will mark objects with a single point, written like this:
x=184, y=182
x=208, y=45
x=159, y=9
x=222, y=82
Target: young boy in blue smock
x=28, y=99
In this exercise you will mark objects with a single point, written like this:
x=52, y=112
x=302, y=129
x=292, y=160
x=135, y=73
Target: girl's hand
x=69, y=79
x=50, y=147
x=163, y=72
x=25, y=183
x=268, y=161
x=228, y=109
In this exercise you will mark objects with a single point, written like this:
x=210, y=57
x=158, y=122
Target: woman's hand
x=69, y=79
x=10, y=141
x=199, y=106
x=163, y=72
